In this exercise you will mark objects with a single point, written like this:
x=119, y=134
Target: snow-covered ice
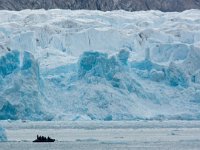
x=92, y=65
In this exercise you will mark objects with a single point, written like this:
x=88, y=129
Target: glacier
x=93, y=65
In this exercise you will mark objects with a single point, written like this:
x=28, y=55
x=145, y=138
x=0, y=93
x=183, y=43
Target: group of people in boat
x=43, y=139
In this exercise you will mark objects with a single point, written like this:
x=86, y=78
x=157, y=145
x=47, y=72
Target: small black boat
x=44, y=139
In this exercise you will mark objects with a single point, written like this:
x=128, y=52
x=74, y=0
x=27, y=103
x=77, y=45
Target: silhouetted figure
x=44, y=139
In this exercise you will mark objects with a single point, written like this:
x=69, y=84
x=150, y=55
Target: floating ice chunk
x=2, y=135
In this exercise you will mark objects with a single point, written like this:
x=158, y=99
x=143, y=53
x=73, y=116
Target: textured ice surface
x=92, y=65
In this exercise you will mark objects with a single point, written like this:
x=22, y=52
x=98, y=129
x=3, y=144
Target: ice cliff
x=92, y=65
x=20, y=86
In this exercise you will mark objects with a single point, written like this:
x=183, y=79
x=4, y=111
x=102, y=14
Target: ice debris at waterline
x=92, y=65
x=2, y=135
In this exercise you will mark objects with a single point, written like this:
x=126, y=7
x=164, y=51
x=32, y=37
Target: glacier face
x=88, y=65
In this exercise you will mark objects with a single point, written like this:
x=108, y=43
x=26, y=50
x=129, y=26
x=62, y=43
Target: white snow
x=59, y=80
